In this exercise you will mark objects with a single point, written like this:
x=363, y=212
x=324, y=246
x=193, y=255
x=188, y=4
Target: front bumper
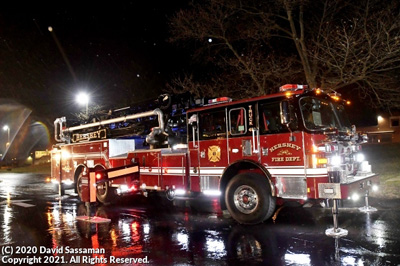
x=357, y=186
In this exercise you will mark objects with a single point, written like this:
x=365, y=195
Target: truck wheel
x=105, y=193
x=78, y=185
x=248, y=198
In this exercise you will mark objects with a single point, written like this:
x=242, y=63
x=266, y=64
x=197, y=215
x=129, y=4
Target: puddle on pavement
x=189, y=236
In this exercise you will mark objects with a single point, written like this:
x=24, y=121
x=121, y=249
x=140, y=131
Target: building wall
x=387, y=129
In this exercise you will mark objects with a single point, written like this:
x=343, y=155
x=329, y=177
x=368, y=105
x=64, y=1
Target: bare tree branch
x=334, y=44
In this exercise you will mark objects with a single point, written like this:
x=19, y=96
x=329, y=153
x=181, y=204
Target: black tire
x=78, y=185
x=105, y=193
x=248, y=198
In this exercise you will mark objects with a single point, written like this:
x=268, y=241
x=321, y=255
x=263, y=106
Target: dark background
x=118, y=52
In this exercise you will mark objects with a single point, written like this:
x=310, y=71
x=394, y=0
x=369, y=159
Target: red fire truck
x=251, y=154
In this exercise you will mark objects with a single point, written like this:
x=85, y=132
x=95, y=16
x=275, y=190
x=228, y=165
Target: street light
x=83, y=99
x=6, y=127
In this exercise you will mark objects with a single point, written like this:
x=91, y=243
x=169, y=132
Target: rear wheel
x=248, y=198
x=78, y=184
x=104, y=192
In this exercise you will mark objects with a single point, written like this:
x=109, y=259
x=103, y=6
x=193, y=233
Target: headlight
x=360, y=157
x=336, y=160
x=355, y=197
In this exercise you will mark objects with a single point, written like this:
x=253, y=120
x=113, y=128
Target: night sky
x=118, y=52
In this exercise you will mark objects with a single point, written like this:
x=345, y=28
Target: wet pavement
x=38, y=228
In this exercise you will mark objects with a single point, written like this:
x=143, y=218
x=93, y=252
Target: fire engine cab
x=251, y=154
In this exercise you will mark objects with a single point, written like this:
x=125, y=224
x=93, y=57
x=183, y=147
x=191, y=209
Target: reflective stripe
x=125, y=171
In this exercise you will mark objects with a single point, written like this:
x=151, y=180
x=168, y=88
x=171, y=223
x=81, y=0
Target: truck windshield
x=322, y=114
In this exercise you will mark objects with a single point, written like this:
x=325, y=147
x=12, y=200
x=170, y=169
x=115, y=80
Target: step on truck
x=251, y=154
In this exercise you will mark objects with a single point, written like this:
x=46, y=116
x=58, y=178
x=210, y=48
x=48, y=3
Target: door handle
x=255, y=135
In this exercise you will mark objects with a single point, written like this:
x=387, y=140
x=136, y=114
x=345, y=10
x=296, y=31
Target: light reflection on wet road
x=31, y=215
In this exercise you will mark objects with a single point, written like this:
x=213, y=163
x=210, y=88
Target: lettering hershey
x=284, y=145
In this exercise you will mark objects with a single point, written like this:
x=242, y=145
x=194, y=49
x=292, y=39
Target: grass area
x=385, y=160
x=37, y=169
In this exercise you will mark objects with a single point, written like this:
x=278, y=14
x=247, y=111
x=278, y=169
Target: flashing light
x=317, y=162
x=123, y=188
x=57, y=157
x=180, y=192
x=219, y=100
x=318, y=91
x=288, y=94
x=98, y=176
x=365, y=167
x=360, y=157
x=292, y=87
x=211, y=192
x=65, y=155
x=179, y=146
x=335, y=97
x=336, y=160
x=134, y=226
x=355, y=197
x=314, y=148
x=68, y=182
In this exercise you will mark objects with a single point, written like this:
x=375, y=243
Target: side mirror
x=193, y=121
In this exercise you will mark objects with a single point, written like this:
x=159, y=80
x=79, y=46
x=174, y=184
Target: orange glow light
x=336, y=98
x=134, y=226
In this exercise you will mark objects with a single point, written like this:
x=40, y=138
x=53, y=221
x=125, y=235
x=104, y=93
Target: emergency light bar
x=219, y=100
x=292, y=87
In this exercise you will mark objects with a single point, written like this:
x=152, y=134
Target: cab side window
x=270, y=118
x=212, y=125
x=237, y=121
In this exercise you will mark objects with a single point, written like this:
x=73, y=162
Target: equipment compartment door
x=174, y=170
x=212, y=146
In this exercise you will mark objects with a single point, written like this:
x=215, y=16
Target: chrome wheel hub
x=245, y=199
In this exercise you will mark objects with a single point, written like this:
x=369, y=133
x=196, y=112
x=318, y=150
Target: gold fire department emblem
x=214, y=154
x=284, y=152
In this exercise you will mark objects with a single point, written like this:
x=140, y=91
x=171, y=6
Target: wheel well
x=81, y=166
x=78, y=171
x=240, y=167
